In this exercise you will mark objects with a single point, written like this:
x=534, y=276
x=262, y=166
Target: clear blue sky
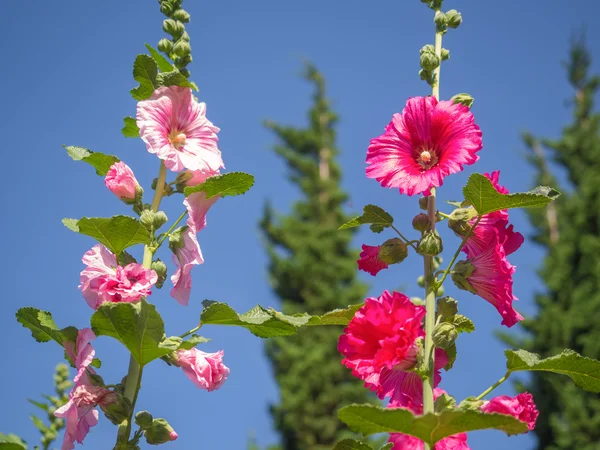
x=66, y=76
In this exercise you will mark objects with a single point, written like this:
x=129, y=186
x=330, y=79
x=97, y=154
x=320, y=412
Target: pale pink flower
x=185, y=258
x=175, y=128
x=103, y=280
x=81, y=352
x=198, y=205
x=206, y=370
x=424, y=144
x=121, y=182
x=381, y=335
x=369, y=260
x=196, y=177
x=520, y=407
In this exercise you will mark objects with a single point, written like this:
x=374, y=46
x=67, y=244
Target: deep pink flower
x=175, y=128
x=81, y=352
x=381, y=336
x=206, y=370
x=103, y=280
x=424, y=144
x=521, y=407
x=369, y=260
x=493, y=225
x=185, y=258
x=121, y=182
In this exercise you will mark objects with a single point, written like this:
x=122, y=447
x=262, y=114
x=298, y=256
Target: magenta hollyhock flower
x=121, y=182
x=381, y=335
x=489, y=275
x=103, y=280
x=206, y=370
x=185, y=258
x=521, y=407
x=369, y=260
x=427, y=142
x=175, y=128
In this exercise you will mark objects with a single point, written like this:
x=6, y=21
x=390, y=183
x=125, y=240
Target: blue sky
x=68, y=81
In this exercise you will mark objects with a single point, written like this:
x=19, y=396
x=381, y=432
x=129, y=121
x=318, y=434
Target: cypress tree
x=312, y=268
x=569, y=308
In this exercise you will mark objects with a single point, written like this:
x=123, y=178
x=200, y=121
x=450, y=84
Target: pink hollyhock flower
x=175, y=128
x=492, y=225
x=206, y=370
x=197, y=206
x=381, y=336
x=185, y=258
x=369, y=260
x=103, y=280
x=489, y=275
x=121, y=182
x=196, y=177
x=424, y=144
x=81, y=352
x=521, y=407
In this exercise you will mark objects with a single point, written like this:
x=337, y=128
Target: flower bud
x=185, y=37
x=182, y=48
x=185, y=73
x=421, y=222
x=166, y=8
x=121, y=182
x=165, y=45
x=463, y=214
x=159, y=432
x=95, y=379
x=444, y=335
x=430, y=61
x=423, y=202
x=437, y=262
x=445, y=54
x=173, y=27
x=176, y=239
x=440, y=21
x=463, y=99
x=147, y=218
x=160, y=218
x=460, y=273
x=393, y=251
x=453, y=18
x=440, y=291
x=143, y=419
x=161, y=271
x=181, y=15
x=430, y=244
x=421, y=281
x=116, y=410
x=427, y=49
x=447, y=307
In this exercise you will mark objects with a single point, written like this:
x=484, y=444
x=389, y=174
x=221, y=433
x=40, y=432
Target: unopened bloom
x=424, y=144
x=520, y=407
x=121, y=182
x=206, y=370
x=369, y=260
x=175, y=128
x=103, y=280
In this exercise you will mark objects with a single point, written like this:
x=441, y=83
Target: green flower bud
x=437, y=262
x=185, y=73
x=393, y=251
x=176, y=239
x=471, y=404
x=166, y=8
x=159, y=432
x=427, y=49
x=421, y=281
x=447, y=307
x=445, y=54
x=440, y=291
x=165, y=45
x=430, y=244
x=147, y=218
x=160, y=218
x=185, y=37
x=453, y=18
x=421, y=222
x=463, y=99
x=460, y=274
x=182, y=48
x=463, y=214
x=183, y=61
x=440, y=21
x=444, y=335
x=161, y=271
x=173, y=27
x=430, y=61
x=118, y=410
x=181, y=15
x=143, y=419
x=423, y=201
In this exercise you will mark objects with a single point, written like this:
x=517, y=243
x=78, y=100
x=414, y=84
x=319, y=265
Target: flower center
x=427, y=159
x=177, y=139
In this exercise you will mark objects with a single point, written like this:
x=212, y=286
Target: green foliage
x=569, y=231
x=138, y=326
x=374, y=215
x=99, y=161
x=480, y=192
x=430, y=428
x=117, y=233
x=145, y=71
x=42, y=326
x=228, y=184
x=130, y=128
x=193, y=341
x=163, y=64
x=12, y=442
x=312, y=269
x=352, y=444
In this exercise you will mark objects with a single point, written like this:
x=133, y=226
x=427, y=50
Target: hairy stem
x=193, y=330
x=179, y=219
x=494, y=386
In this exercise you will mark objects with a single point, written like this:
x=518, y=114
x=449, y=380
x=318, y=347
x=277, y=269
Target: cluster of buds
x=177, y=48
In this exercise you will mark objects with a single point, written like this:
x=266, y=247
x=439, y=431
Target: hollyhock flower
x=521, y=407
x=369, y=261
x=185, y=258
x=103, y=280
x=492, y=225
x=489, y=275
x=424, y=144
x=194, y=177
x=381, y=336
x=206, y=370
x=175, y=128
x=121, y=182
x=81, y=352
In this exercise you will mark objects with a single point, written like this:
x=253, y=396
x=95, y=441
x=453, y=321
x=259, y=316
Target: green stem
x=460, y=247
x=193, y=330
x=160, y=241
x=403, y=237
x=134, y=374
x=494, y=386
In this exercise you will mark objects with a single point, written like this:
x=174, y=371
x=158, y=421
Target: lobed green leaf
x=130, y=128
x=99, y=161
x=228, y=184
x=163, y=63
x=42, y=326
x=374, y=215
x=117, y=233
x=145, y=71
x=173, y=78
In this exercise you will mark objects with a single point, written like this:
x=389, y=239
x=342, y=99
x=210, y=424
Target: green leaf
x=163, y=64
x=463, y=324
x=481, y=194
x=11, y=446
x=374, y=215
x=12, y=442
x=138, y=326
x=42, y=326
x=43, y=406
x=352, y=444
x=430, y=428
x=193, y=341
x=116, y=233
x=99, y=161
x=451, y=353
x=71, y=224
x=145, y=71
x=173, y=78
x=130, y=128
x=228, y=184
x=38, y=423
x=96, y=363
x=336, y=317
x=585, y=372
